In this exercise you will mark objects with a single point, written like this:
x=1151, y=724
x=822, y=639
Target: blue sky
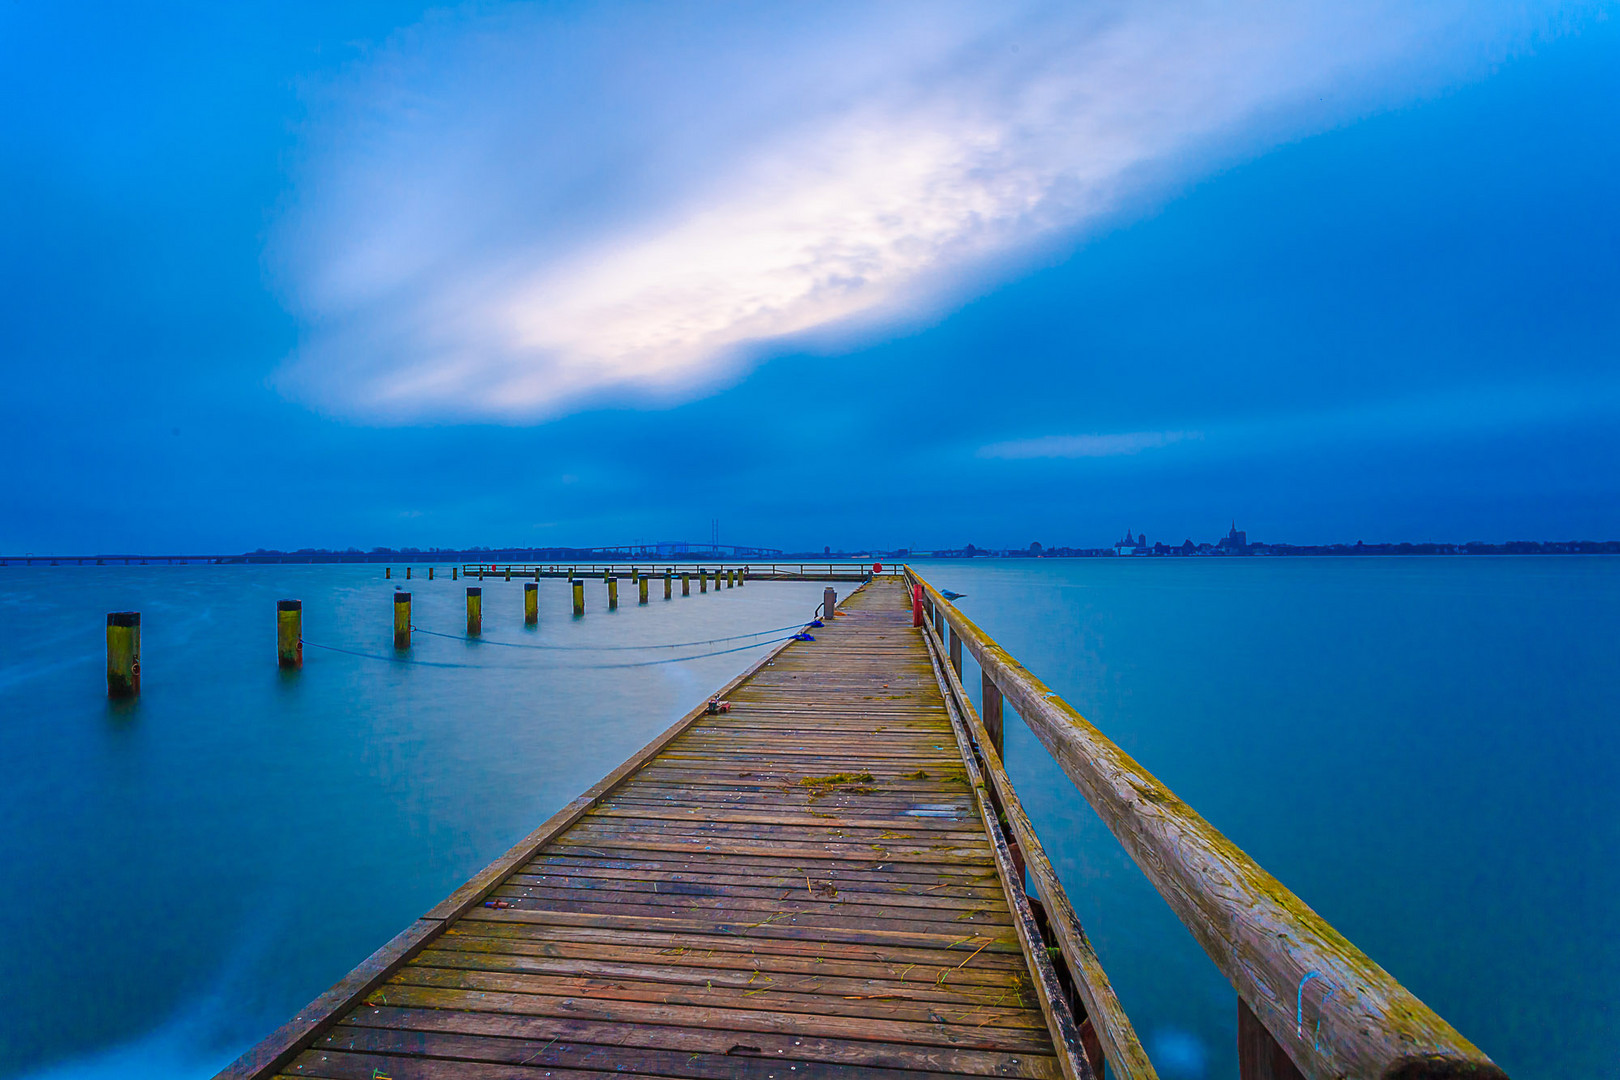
x=858, y=275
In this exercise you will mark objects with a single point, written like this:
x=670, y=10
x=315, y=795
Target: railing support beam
x=1259, y=1056
x=991, y=695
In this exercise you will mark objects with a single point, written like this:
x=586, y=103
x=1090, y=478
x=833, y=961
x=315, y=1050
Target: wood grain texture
x=803, y=886
x=1335, y=1012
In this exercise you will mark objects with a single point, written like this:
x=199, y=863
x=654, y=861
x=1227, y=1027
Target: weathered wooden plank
x=740, y=1047
x=554, y=1053
x=946, y=971
x=596, y=1007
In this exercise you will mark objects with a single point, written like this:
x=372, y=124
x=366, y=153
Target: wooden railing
x=1310, y=1004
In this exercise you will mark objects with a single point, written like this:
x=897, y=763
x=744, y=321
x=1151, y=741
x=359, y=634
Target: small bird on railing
x=947, y=594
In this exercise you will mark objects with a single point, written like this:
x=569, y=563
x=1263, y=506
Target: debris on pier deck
x=800, y=887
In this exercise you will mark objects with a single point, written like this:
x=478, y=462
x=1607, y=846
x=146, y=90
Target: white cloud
x=1085, y=446
x=508, y=216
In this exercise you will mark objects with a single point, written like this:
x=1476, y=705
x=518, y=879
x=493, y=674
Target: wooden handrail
x=1331, y=1009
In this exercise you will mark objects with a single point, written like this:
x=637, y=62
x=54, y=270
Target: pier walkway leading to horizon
x=834, y=878
x=801, y=886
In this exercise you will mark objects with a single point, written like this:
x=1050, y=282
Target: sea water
x=1423, y=749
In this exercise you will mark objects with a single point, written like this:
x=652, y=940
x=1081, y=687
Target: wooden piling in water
x=388, y=571
x=123, y=654
x=475, y=611
x=508, y=573
x=531, y=604
x=455, y=572
x=668, y=582
x=579, y=597
x=703, y=581
x=641, y=584
x=402, y=620
x=407, y=573
x=430, y=573
x=686, y=584
x=613, y=593
x=290, y=633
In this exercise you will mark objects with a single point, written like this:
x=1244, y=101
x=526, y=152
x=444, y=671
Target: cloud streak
x=514, y=215
x=1084, y=446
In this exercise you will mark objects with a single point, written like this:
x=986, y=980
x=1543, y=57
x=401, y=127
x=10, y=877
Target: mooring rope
x=612, y=648
x=563, y=667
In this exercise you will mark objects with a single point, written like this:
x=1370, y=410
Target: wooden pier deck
x=803, y=887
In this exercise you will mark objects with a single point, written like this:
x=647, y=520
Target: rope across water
x=565, y=667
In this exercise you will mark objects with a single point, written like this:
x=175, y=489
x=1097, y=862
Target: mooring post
x=531, y=604
x=686, y=584
x=742, y=577
x=402, y=620
x=475, y=611
x=290, y=633
x=956, y=651
x=388, y=571
x=613, y=593
x=703, y=581
x=579, y=597
x=829, y=601
x=731, y=579
x=407, y=573
x=455, y=572
x=508, y=573
x=537, y=573
x=123, y=653
x=430, y=573
x=668, y=581
x=641, y=584
x=991, y=697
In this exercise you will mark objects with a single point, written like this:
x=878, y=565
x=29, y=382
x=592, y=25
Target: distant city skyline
x=299, y=275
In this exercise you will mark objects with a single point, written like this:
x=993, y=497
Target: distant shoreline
x=488, y=556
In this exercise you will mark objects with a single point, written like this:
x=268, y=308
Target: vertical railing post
x=917, y=606
x=992, y=711
x=1259, y=1055
x=956, y=651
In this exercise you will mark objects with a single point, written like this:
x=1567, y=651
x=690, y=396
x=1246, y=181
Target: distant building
x=1234, y=542
x=1129, y=546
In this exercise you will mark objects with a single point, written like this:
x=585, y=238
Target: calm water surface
x=1425, y=750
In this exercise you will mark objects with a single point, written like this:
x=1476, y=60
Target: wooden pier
x=826, y=878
